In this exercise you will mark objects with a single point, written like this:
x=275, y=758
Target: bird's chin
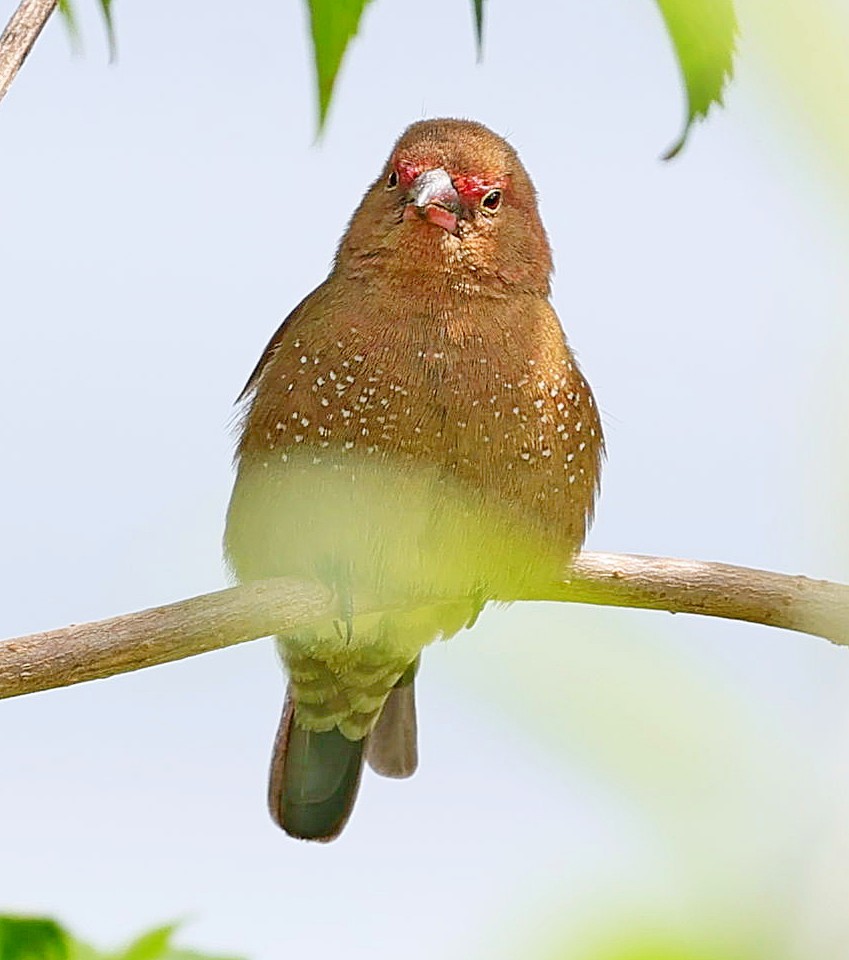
x=434, y=214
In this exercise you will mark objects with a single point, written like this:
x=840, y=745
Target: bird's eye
x=491, y=201
x=392, y=181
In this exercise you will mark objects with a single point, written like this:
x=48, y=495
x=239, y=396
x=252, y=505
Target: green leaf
x=106, y=10
x=32, y=938
x=153, y=945
x=66, y=8
x=38, y=938
x=334, y=23
x=156, y=945
x=477, y=7
x=703, y=33
x=67, y=12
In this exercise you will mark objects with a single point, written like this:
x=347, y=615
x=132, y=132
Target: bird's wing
x=271, y=348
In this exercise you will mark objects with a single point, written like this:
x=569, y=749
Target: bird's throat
x=433, y=214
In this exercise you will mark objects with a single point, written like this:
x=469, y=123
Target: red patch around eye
x=472, y=188
x=407, y=172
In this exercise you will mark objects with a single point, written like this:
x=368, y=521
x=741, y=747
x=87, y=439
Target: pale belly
x=411, y=555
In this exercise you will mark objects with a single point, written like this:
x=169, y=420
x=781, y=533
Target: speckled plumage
x=417, y=430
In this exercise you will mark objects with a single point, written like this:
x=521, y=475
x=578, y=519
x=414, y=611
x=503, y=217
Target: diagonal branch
x=19, y=36
x=90, y=651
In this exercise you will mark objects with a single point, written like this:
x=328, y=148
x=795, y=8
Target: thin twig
x=74, y=654
x=19, y=36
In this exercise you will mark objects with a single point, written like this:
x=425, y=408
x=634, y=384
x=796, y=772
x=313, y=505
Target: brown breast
x=503, y=409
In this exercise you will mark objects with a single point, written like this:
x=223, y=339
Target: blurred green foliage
x=66, y=8
x=333, y=23
x=32, y=938
x=663, y=948
x=39, y=938
x=703, y=33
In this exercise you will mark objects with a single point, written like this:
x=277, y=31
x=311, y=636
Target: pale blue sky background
x=159, y=218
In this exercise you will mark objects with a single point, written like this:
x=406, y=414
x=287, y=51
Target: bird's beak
x=432, y=197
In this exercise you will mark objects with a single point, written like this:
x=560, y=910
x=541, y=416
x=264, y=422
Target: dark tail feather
x=392, y=745
x=314, y=779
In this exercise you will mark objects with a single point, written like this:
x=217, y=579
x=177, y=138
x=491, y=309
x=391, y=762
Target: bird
x=418, y=437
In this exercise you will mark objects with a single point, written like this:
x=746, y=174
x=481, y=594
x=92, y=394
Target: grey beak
x=434, y=186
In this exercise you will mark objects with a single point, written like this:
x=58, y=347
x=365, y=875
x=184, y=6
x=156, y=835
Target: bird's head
x=453, y=198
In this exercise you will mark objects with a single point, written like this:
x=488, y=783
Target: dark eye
x=491, y=201
x=392, y=181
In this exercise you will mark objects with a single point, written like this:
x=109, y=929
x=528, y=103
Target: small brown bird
x=417, y=435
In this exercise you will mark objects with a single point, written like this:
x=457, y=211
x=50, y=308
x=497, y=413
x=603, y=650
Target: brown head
x=453, y=198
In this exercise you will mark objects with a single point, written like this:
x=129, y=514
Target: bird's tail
x=393, y=744
x=314, y=778
x=315, y=775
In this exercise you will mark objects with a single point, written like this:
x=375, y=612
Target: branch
x=19, y=36
x=91, y=651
